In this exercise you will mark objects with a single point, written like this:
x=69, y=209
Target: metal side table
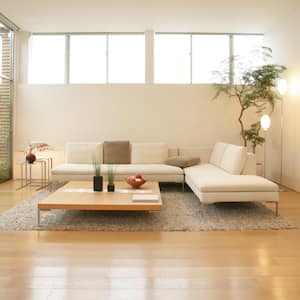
x=26, y=173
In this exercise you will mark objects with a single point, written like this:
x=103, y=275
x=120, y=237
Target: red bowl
x=135, y=184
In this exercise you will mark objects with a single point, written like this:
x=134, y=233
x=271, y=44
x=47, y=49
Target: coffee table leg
x=38, y=216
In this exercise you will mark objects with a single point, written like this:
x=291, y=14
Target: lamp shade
x=265, y=122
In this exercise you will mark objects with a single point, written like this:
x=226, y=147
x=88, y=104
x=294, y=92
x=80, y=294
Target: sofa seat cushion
x=145, y=169
x=130, y=169
x=209, y=178
x=76, y=169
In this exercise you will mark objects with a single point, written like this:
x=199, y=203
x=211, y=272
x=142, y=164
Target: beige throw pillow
x=116, y=152
x=183, y=161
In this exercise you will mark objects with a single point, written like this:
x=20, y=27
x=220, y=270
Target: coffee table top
x=79, y=195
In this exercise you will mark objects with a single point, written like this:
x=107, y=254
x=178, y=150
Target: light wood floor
x=173, y=265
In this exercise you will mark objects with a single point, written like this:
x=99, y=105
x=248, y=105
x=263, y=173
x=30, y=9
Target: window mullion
x=191, y=59
x=107, y=49
x=231, y=60
x=67, y=59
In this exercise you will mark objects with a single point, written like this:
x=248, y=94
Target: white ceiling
x=252, y=16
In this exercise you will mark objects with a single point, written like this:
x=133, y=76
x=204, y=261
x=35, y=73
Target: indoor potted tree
x=255, y=87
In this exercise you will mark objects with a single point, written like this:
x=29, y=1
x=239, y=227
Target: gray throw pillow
x=116, y=152
x=182, y=161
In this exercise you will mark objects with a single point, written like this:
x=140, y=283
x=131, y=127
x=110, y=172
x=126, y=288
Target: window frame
x=107, y=34
x=190, y=57
x=66, y=58
x=191, y=34
x=67, y=36
x=230, y=51
x=108, y=45
x=232, y=54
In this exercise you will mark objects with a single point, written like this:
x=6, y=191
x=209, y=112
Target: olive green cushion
x=116, y=152
x=183, y=161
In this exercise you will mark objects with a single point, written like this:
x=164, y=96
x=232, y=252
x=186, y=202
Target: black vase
x=110, y=187
x=98, y=183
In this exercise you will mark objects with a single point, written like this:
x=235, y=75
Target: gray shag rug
x=180, y=212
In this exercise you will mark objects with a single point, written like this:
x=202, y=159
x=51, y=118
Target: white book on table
x=145, y=197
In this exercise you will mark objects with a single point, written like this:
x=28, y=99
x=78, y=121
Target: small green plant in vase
x=111, y=179
x=98, y=179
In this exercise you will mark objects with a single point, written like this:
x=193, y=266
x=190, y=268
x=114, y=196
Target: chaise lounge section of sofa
x=229, y=176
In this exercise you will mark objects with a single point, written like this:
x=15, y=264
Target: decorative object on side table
x=136, y=181
x=34, y=147
x=30, y=157
x=98, y=179
x=111, y=179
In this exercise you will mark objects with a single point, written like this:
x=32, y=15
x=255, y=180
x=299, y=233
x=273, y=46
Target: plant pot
x=98, y=183
x=110, y=187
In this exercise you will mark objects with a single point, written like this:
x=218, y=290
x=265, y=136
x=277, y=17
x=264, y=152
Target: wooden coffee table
x=79, y=195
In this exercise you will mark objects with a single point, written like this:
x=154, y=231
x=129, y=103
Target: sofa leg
x=276, y=208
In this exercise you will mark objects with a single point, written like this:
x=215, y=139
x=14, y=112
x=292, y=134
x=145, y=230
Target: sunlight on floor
x=10, y=196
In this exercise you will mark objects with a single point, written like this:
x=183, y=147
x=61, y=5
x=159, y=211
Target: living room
x=142, y=76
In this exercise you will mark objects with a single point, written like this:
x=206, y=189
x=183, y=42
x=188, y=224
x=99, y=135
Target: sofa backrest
x=197, y=152
x=149, y=153
x=173, y=151
x=217, y=154
x=233, y=158
x=83, y=153
x=205, y=155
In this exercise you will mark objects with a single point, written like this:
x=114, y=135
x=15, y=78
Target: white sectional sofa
x=227, y=173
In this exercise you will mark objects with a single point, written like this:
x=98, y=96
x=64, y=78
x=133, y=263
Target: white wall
x=175, y=114
x=284, y=38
